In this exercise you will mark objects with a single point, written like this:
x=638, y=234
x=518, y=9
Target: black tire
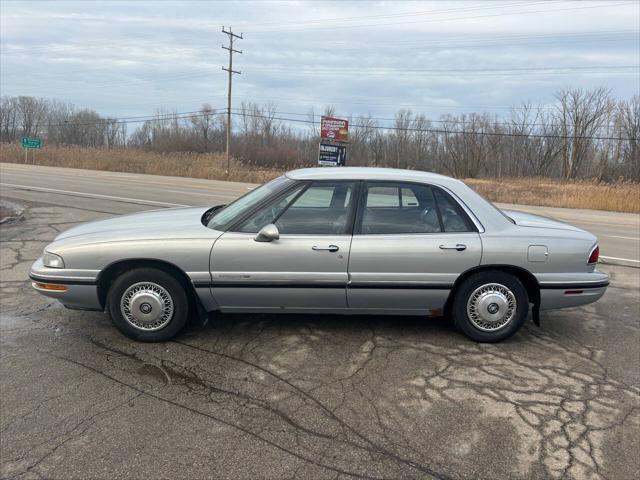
x=155, y=284
x=477, y=327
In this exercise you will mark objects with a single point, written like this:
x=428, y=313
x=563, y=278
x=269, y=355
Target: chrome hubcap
x=147, y=306
x=491, y=306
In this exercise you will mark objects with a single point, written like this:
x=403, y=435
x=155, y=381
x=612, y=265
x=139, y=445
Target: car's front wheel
x=490, y=306
x=148, y=305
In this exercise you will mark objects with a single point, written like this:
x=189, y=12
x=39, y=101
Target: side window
x=453, y=217
x=316, y=197
x=383, y=196
x=407, y=198
x=268, y=213
x=322, y=209
x=392, y=208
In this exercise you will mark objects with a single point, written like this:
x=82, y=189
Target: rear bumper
x=73, y=288
x=573, y=290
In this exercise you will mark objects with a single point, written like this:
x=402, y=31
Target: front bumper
x=571, y=290
x=73, y=288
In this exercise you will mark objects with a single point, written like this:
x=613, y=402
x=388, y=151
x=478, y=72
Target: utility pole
x=232, y=36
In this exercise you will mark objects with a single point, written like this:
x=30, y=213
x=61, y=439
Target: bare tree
x=329, y=111
x=268, y=124
x=581, y=114
x=628, y=126
x=32, y=114
x=204, y=123
x=469, y=143
x=361, y=133
x=420, y=140
x=535, y=144
x=560, y=141
x=114, y=133
x=9, y=124
x=401, y=135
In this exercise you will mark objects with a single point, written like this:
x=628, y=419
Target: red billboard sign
x=334, y=129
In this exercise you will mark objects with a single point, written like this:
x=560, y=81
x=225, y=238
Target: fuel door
x=537, y=253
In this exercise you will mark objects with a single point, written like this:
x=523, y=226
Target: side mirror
x=268, y=233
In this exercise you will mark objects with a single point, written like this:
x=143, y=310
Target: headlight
x=52, y=260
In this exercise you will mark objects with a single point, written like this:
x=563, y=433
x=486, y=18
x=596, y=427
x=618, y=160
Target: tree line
x=583, y=134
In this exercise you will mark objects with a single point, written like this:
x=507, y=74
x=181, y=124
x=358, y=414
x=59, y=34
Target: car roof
x=368, y=173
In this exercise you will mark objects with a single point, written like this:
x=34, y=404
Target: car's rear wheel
x=490, y=306
x=148, y=305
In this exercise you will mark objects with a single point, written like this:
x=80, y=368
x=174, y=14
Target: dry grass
x=194, y=165
x=617, y=197
x=613, y=197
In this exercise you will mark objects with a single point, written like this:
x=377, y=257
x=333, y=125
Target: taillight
x=595, y=254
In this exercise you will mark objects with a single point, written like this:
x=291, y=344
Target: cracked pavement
x=309, y=396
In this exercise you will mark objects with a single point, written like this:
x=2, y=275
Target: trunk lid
x=523, y=219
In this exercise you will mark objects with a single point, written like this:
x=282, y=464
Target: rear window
x=453, y=217
x=491, y=204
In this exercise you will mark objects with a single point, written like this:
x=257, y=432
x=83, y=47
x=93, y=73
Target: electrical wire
x=187, y=115
x=439, y=20
x=444, y=131
x=359, y=18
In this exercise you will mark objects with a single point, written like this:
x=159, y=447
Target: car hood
x=152, y=225
x=523, y=219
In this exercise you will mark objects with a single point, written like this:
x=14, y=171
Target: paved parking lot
x=309, y=396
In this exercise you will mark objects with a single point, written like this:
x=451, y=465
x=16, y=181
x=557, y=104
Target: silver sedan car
x=327, y=240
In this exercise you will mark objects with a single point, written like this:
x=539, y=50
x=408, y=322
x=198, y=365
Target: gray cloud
x=129, y=58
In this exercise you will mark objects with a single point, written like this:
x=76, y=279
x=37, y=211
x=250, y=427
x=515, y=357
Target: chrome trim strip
x=572, y=286
x=277, y=284
x=354, y=285
x=373, y=285
x=61, y=280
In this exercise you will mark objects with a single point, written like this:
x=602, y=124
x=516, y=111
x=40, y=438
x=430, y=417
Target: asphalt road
x=618, y=233
x=298, y=396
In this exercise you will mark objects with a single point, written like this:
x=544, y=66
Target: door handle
x=459, y=247
x=330, y=248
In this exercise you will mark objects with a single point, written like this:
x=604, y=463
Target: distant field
x=616, y=197
x=195, y=165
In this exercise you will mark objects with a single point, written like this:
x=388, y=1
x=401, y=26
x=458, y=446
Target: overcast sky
x=125, y=58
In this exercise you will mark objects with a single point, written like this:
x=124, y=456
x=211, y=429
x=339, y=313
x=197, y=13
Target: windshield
x=245, y=203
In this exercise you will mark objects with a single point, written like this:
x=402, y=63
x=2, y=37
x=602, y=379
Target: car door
x=411, y=241
x=305, y=268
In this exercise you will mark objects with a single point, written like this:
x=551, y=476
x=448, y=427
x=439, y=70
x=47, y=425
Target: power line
x=349, y=101
x=139, y=119
x=337, y=71
x=324, y=21
x=459, y=41
x=581, y=7
x=239, y=111
x=494, y=41
x=139, y=81
x=549, y=70
x=473, y=39
x=456, y=132
x=187, y=115
x=394, y=104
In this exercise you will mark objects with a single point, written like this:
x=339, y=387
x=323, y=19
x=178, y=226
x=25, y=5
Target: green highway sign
x=28, y=142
